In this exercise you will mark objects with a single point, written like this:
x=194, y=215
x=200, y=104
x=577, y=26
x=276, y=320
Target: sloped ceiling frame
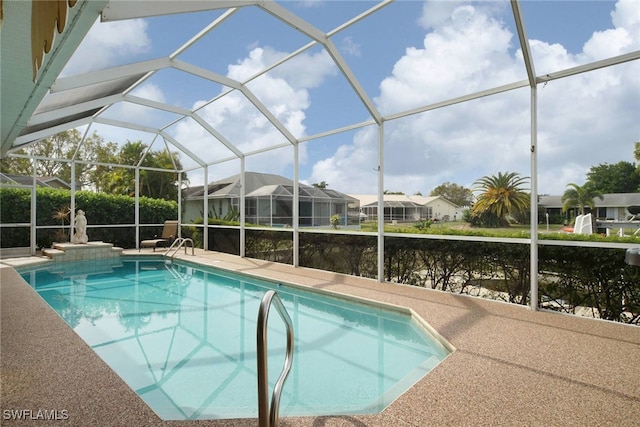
x=80, y=100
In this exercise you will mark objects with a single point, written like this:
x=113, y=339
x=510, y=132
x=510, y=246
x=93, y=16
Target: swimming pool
x=183, y=337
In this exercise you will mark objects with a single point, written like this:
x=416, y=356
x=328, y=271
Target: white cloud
x=435, y=13
x=284, y=91
x=351, y=165
x=107, y=41
x=623, y=38
x=149, y=91
x=608, y=43
x=306, y=70
x=467, y=53
x=126, y=110
x=584, y=120
x=350, y=47
x=627, y=15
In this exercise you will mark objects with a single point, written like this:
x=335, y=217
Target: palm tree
x=580, y=197
x=500, y=196
x=153, y=183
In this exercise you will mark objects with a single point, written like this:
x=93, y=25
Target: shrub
x=335, y=221
x=423, y=224
x=100, y=208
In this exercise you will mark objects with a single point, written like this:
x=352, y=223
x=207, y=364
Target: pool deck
x=511, y=366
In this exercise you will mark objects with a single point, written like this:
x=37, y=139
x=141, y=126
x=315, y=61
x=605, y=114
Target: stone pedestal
x=82, y=252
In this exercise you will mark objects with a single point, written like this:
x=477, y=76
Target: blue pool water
x=184, y=338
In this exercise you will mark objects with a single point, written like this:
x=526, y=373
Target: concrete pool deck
x=512, y=366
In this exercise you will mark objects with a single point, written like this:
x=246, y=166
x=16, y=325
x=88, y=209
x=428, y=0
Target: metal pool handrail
x=269, y=417
x=180, y=242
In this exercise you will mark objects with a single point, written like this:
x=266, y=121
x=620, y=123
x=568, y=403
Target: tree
x=16, y=166
x=59, y=146
x=454, y=193
x=153, y=183
x=580, y=197
x=63, y=145
x=320, y=185
x=96, y=169
x=122, y=180
x=621, y=177
x=102, y=154
x=157, y=184
x=499, y=198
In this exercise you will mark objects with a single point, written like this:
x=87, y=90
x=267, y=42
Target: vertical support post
x=205, y=207
x=243, y=230
x=531, y=74
x=32, y=233
x=533, y=273
x=381, y=202
x=180, y=205
x=296, y=205
x=137, y=206
x=72, y=217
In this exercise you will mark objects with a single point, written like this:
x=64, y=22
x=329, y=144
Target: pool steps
x=63, y=252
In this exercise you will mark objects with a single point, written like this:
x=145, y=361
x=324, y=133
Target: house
x=269, y=201
x=403, y=208
x=42, y=181
x=612, y=206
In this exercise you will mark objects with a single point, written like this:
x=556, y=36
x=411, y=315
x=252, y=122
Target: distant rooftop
x=617, y=200
x=42, y=181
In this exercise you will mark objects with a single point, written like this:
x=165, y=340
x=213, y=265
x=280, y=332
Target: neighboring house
x=55, y=182
x=403, y=208
x=269, y=201
x=42, y=181
x=611, y=207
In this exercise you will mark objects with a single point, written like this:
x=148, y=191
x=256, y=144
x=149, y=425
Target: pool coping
x=512, y=365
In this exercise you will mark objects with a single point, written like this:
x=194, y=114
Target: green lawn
x=462, y=228
x=460, y=225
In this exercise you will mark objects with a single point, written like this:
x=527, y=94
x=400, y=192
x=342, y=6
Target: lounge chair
x=169, y=234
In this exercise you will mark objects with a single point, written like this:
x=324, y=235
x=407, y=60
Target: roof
x=399, y=200
x=231, y=185
x=54, y=181
x=263, y=185
x=616, y=200
x=21, y=91
x=45, y=181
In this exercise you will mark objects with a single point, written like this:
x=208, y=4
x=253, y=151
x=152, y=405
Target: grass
x=555, y=231
x=453, y=226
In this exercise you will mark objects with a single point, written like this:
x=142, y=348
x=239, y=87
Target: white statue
x=80, y=236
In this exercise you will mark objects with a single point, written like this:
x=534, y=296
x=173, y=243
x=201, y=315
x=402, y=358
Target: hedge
x=100, y=208
x=569, y=278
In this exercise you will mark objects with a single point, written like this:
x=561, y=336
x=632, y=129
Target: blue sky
x=406, y=55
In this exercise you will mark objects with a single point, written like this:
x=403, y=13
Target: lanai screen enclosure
x=236, y=86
